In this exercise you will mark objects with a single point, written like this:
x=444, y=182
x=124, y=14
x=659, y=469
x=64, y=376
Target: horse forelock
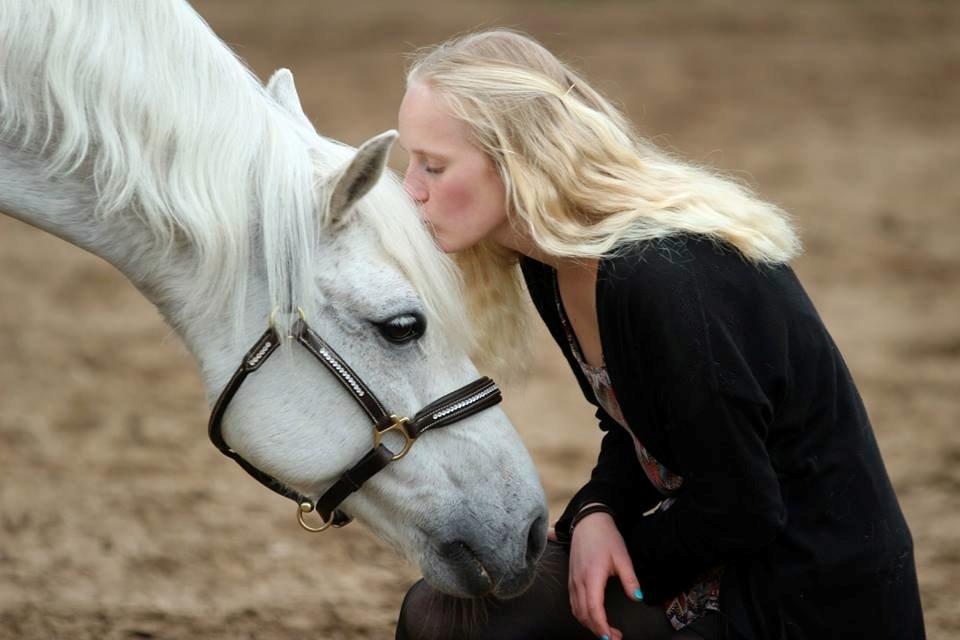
x=435, y=277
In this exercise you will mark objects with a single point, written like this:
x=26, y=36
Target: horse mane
x=172, y=126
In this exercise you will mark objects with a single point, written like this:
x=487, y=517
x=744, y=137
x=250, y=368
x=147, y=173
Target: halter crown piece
x=453, y=407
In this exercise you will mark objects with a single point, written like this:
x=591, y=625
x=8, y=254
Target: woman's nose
x=414, y=188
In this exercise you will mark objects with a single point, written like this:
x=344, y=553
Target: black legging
x=542, y=612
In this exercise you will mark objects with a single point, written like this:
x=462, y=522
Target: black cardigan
x=727, y=375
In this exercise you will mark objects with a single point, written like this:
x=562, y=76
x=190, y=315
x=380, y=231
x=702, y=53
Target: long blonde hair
x=579, y=181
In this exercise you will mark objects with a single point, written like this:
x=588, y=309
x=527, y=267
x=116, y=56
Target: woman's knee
x=428, y=614
x=414, y=609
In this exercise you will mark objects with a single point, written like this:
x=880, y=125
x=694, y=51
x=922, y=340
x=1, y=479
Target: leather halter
x=453, y=407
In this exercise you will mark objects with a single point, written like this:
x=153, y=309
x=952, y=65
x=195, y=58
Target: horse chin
x=460, y=572
x=466, y=577
x=467, y=566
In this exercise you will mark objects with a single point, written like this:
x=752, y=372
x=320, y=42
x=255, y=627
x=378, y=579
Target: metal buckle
x=400, y=425
x=276, y=311
x=307, y=507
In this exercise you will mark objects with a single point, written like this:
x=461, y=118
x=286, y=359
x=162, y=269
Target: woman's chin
x=449, y=245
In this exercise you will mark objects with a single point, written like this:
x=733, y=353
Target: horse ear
x=281, y=88
x=359, y=177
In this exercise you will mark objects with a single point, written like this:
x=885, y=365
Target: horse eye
x=403, y=328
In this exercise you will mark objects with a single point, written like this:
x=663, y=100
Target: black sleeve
x=617, y=481
x=700, y=344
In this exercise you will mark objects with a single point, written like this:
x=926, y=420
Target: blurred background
x=119, y=520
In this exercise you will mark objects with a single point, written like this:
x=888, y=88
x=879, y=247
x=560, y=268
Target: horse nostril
x=536, y=539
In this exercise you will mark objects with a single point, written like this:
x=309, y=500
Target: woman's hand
x=597, y=551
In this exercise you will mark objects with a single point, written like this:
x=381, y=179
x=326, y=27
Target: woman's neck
x=522, y=243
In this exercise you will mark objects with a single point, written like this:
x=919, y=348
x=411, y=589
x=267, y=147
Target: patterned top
x=704, y=595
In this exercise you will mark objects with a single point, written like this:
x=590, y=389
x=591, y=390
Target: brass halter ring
x=306, y=507
x=399, y=425
x=273, y=318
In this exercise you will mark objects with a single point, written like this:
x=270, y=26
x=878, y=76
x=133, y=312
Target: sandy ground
x=118, y=520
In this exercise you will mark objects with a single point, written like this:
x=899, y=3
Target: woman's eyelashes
x=427, y=163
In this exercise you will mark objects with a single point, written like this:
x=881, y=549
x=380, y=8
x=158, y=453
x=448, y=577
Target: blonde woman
x=739, y=490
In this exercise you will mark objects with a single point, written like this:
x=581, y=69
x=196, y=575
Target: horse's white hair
x=142, y=97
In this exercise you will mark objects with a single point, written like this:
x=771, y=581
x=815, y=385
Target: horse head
x=217, y=198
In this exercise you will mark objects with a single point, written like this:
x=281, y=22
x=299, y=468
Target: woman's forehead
x=425, y=125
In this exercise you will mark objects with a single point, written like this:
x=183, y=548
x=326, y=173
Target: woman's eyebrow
x=421, y=152
x=432, y=155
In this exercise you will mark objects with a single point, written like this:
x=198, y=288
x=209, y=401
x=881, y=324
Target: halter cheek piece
x=453, y=407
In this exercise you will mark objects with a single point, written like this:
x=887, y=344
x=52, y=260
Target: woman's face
x=460, y=193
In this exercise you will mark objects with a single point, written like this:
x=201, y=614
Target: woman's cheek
x=449, y=196
x=458, y=204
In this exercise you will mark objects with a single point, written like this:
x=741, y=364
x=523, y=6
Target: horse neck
x=182, y=157
x=65, y=206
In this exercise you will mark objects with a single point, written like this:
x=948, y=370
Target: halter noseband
x=453, y=407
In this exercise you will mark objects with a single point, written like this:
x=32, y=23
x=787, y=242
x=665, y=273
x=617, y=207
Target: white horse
x=129, y=129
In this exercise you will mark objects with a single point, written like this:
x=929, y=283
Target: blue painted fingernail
x=638, y=594
x=604, y=637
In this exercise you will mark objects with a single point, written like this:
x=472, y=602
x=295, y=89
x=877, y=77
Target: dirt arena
x=119, y=520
